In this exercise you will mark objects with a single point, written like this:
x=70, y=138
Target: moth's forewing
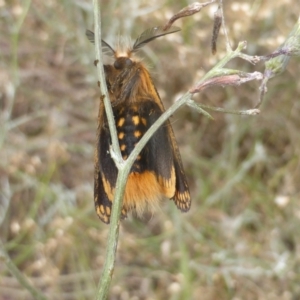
x=182, y=196
x=105, y=171
x=165, y=160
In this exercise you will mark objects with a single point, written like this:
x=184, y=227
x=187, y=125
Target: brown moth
x=157, y=172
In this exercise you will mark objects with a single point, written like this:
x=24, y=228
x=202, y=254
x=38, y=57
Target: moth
x=157, y=172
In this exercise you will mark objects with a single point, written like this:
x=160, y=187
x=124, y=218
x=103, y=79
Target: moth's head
x=122, y=62
x=122, y=54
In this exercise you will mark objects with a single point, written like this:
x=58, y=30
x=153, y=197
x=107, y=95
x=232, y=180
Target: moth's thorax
x=128, y=80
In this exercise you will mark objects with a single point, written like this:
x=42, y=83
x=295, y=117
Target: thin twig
x=277, y=61
x=36, y=294
x=228, y=46
x=248, y=112
x=103, y=88
x=186, y=12
x=107, y=273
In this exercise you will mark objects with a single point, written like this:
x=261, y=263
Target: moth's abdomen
x=131, y=125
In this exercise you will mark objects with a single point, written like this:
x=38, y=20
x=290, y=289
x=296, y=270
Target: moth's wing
x=106, y=173
x=158, y=150
x=182, y=196
x=164, y=158
x=102, y=202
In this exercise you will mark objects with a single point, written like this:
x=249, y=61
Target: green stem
x=19, y=275
x=124, y=169
x=125, y=166
x=103, y=88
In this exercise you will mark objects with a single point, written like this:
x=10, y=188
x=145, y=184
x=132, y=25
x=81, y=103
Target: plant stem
x=103, y=88
x=19, y=275
x=124, y=167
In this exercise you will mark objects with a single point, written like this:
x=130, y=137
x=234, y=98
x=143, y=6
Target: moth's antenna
x=106, y=48
x=151, y=34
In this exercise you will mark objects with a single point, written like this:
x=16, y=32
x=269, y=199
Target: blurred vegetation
x=241, y=238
